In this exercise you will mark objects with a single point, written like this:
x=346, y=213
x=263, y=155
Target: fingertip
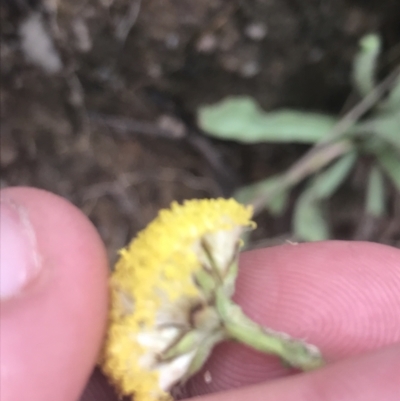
x=341, y=296
x=52, y=329
x=373, y=376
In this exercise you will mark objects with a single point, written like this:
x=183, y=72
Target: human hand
x=344, y=297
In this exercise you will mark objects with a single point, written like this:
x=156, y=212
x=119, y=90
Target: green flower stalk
x=171, y=301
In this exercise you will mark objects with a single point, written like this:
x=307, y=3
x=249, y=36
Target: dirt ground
x=99, y=99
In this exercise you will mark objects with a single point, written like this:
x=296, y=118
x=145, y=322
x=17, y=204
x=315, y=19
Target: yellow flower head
x=161, y=326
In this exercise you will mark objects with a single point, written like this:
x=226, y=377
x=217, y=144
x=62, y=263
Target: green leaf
x=308, y=221
x=371, y=144
x=375, y=193
x=390, y=163
x=239, y=327
x=392, y=103
x=385, y=126
x=328, y=181
x=241, y=119
x=277, y=205
x=272, y=186
x=364, y=65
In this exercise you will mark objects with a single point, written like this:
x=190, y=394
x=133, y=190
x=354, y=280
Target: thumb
x=373, y=376
x=53, y=293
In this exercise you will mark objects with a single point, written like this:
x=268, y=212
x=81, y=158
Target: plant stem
x=314, y=160
x=239, y=327
x=329, y=148
x=354, y=115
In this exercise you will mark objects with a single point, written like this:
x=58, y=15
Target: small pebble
x=172, y=41
x=207, y=43
x=249, y=69
x=256, y=31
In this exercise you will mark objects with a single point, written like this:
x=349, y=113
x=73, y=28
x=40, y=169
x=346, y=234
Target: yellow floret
x=154, y=270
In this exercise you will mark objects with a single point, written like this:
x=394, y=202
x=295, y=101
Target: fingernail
x=19, y=260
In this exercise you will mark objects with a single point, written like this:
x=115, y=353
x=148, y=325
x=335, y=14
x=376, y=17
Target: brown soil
x=111, y=125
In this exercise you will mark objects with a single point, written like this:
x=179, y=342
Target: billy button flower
x=171, y=301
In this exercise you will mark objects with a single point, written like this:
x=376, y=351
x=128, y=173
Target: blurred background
x=108, y=104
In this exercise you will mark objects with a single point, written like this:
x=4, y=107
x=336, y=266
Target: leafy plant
x=371, y=128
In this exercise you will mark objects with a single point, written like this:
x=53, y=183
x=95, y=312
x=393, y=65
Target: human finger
x=370, y=377
x=341, y=296
x=53, y=296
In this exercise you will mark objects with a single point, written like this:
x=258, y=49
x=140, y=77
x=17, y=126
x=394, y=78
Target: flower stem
x=239, y=327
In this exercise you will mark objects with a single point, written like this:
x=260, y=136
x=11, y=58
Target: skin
x=342, y=296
